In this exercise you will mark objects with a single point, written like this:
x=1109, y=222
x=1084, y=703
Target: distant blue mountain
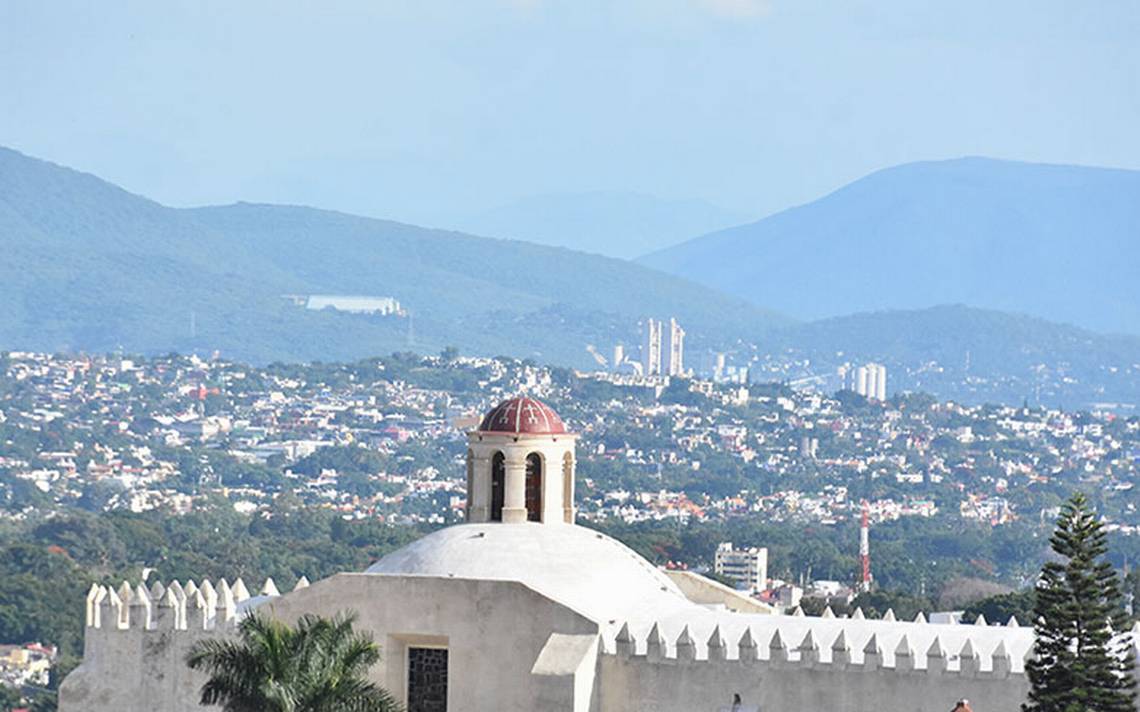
x=1058, y=242
x=611, y=223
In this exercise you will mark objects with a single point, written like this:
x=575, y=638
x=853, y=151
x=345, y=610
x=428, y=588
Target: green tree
x=9, y=698
x=345, y=459
x=1002, y=607
x=45, y=702
x=1132, y=590
x=1082, y=654
x=319, y=665
x=875, y=604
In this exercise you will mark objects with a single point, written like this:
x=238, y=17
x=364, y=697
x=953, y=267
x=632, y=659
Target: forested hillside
x=89, y=266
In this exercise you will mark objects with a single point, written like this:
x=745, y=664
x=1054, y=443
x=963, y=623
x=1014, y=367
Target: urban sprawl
x=384, y=439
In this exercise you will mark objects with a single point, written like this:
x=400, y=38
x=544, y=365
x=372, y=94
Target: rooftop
x=593, y=574
x=523, y=415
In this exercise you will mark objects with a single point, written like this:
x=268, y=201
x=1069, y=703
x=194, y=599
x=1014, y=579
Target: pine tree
x=1083, y=651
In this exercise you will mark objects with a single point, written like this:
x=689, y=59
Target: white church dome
x=585, y=570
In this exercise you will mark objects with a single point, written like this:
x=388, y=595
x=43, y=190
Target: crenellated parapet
x=175, y=606
x=804, y=662
x=829, y=643
x=138, y=637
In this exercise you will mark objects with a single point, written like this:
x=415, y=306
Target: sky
x=426, y=109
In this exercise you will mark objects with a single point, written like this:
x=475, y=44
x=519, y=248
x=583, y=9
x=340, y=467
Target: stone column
x=514, y=498
x=551, y=486
x=568, y=490
x=479, y=498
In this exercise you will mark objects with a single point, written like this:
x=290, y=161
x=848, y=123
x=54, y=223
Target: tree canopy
x=319, y=665
x=1083, y=652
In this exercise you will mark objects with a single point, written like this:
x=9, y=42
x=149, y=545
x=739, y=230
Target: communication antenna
x=865, y=550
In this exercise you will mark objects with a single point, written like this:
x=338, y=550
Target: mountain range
x=1058, y=242
x=89, y=266
x=611, y=223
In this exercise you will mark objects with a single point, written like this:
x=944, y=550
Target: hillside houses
x=382, y=438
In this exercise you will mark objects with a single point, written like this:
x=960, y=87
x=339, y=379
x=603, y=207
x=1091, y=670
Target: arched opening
x=534, y=487
x=498, y=485
x=568, y=488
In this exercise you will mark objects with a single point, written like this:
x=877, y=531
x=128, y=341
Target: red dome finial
x=522, y=415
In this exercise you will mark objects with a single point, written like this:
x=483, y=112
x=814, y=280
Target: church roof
x=604, y=580
x=589, y=572
x=523, y=415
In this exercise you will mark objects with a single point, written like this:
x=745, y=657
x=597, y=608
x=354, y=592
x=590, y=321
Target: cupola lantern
x=520, y=465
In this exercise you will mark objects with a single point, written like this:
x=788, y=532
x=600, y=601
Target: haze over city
x=434, y=112
x=590, y=356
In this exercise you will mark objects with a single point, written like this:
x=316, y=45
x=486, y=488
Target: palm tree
x=319, y=665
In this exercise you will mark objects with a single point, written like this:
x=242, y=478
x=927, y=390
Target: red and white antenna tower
x=865, y=550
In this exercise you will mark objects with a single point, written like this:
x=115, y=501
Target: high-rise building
x=748, y=568
x=870, y=381
x=619, y=356
x=718, y=366
x=676, y=349
x=651, y=349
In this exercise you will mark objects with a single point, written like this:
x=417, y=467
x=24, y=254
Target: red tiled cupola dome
x=523, y=415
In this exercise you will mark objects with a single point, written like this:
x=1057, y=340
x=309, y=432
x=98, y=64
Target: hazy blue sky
x=421, y=109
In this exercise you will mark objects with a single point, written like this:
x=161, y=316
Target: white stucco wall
x=137, y=669
x=509, y=647
x=495, y=632
x=636, y=684
x=514, y=648
x=707, y=592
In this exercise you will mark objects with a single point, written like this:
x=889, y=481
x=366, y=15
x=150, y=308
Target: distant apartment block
x=651, y=349
x=869, y=380
x=618, y=357
x=747, y=568
x=718, y=366
x=676, y=349
x=653, y=358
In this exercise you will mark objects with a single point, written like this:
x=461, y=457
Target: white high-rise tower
x=676, y=349
x=651, y=349
x=870, y=381
x=880, y=382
